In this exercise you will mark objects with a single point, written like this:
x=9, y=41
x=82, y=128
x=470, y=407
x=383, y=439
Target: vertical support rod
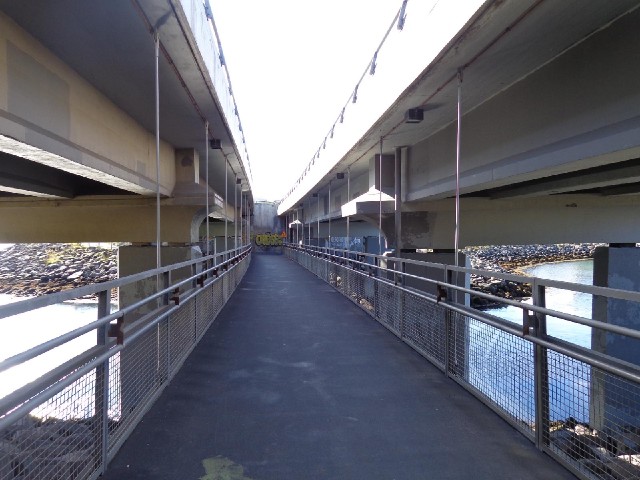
x=102, y=382
x=309, y=239
x=318, y=220
x=157, y=85
x=241, y=215
x=226, y=206
x=329, y=210
x=206, y=175
x=380, y=200
x=235, y=213
x=457, y=232
x=348, y=216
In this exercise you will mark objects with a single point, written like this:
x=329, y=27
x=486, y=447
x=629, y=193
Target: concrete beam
x=98, y=219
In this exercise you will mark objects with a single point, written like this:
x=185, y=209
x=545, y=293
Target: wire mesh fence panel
x=143, y=370
x=361, y=290
x=387, y=304
x=341, y=283
x=424, y=327
x=225, y=289
x=205, y=309
x=182, y=333
x=60, y=439
x=217, y=298
x=498, y=364
x=594, y=419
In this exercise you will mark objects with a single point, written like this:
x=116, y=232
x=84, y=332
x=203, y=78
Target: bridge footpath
x=293, y=381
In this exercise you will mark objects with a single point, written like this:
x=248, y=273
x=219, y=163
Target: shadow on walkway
x=295, y=382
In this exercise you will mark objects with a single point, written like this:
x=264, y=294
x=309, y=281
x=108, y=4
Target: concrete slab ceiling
x=110, y=44
x=502, y=44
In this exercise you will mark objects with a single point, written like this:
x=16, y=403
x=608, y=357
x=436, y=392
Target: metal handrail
x=67, y=337
x=594, y=290
x=611, y=365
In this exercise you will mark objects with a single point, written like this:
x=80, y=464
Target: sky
x=293, y=65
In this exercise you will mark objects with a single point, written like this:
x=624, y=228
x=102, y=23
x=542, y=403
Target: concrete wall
x=581, y=110
x=45, y=104
x=265, y=218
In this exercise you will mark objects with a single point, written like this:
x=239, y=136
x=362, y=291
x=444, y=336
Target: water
x=491, y=353
x=24, y=331
x=501, y=365
x=576, y=303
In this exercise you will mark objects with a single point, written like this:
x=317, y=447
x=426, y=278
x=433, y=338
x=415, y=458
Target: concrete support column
x=398, y=201
x=146, y=357
x=615, y=267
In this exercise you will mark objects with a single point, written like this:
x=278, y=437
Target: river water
x=488, y=367
x=576, y=303
x=501, y=365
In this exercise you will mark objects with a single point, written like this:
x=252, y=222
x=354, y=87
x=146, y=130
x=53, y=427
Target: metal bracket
x=176, y=296
x=529, y=323
x=115, y=331
x=441, y=293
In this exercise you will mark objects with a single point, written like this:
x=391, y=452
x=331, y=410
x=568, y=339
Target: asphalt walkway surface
x=295, y=382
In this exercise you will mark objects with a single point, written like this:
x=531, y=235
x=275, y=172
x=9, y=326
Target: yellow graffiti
x=268, y=239
x=220, y=468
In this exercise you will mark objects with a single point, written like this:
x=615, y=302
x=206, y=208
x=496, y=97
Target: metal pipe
x=235, y=214
x=329, y=210
x=457, y=231
x=157, y=86
x=380, y=200
x=206, y=181
x=309, y=239
x=226, y=205
x=348, y=200
x=241, y=213
x=318, y=219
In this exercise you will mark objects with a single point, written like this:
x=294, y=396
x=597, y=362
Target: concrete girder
x=98, y=219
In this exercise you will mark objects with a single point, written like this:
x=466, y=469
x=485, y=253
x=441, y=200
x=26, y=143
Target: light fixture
x=339, y=175
x=372, y=70
x=402, y=15
x=414, y=115
x=215, y=144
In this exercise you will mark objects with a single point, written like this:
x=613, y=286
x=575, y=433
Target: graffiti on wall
x=269, y=239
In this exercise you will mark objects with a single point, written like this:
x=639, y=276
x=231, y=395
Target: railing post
x=166, y=283
x=447, y=326
x=101, y=393
x=541, y=370
x=401, y=293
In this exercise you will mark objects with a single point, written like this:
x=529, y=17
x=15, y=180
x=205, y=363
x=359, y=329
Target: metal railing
x=70, y=422
x=577, y=403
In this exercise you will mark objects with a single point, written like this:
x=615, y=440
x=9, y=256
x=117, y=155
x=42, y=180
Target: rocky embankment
x=29, y=270
x=514, y=259
x=36, y=269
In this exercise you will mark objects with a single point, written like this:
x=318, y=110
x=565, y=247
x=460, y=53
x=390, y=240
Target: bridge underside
x=78, y=123
x=549, y=130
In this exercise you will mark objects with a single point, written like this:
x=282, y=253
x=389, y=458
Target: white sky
x=293, y=65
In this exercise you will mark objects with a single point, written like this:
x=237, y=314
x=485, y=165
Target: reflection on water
x=575, y=303
x=27, y=330
x=501, y=365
